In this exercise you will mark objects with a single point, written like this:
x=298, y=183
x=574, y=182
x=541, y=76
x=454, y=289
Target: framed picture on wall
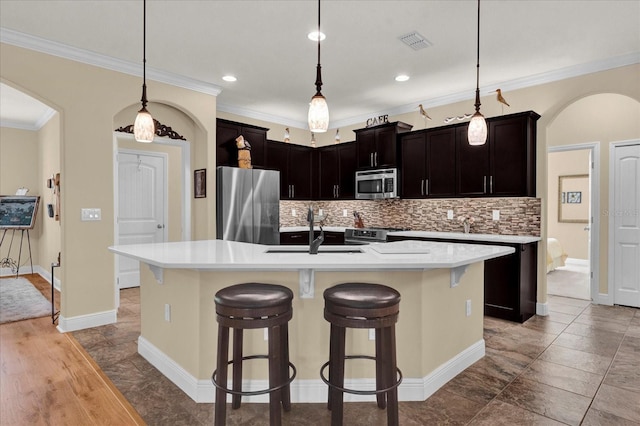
x=200, y=183
x=573, y=203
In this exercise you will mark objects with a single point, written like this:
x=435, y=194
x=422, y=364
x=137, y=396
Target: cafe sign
x=374, y=121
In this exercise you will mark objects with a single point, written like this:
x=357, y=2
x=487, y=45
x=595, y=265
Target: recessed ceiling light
x=313, y=35
x=402, y=77
x=229, y=78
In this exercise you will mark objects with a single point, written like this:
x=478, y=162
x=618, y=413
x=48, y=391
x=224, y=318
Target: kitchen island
x=439, y=333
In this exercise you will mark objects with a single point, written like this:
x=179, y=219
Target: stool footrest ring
x=258, y=392
x=355, y=391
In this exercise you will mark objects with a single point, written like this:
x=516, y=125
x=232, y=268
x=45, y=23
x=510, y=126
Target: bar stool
x=363, y=305
x=250, y=306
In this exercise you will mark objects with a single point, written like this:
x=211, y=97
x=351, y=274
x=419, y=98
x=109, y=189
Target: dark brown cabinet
x=377, y=146
x=226, y=150
x=428, y=163
x=504, y=166
x=510, y=282
x=295, y=165
x=336, y=170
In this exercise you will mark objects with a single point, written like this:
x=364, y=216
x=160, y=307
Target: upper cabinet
x=377, y=146
x=295, y=165
x=428, y=160
x=439, y=162
x=506, y=165
x=337, y=166
x=226, y=150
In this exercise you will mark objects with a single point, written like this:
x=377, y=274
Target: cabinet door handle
x=421, y=186
x=426, y=187
x=371, y=159
x=337, y=191
x=293, y=191
x=296, y=236
x=289, y=191
x=484, y=185
x=375, y=161
x=491, y=184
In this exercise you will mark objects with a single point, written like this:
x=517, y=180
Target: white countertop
x=228, y=255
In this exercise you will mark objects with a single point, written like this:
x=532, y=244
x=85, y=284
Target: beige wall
x=572, y=236
x=49, y=243
x=88, y=98
x=19, y=168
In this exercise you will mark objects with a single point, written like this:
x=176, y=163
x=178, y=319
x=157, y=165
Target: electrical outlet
x=449, y=214
x=293, y=212
x=372, y=334
x=167, y=312
x=496, y=215
x=320, y=212
x=345, y=213
x=468, y=307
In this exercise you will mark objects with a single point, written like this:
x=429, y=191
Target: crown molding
x=20, y=125
x=61, y=50
x=261, y=116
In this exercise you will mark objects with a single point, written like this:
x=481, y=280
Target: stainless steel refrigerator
x=248, y=205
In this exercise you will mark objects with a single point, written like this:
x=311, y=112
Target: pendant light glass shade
x=318, y=114
x=477, y=132
x=143, y=128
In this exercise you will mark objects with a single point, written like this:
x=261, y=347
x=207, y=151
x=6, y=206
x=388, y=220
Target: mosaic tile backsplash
x=518, y=216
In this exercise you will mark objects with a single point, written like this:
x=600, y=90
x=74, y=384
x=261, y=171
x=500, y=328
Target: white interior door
x=626, y=219
x=141, y=207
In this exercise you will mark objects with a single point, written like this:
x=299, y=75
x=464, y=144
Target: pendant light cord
x=144, y=54
x=318, y=73
x=477, y=104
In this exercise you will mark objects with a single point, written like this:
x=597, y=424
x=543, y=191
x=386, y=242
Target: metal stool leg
x=223, y=356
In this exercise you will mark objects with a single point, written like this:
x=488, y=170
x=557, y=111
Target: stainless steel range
x=360, y=236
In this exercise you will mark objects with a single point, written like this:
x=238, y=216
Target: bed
x=555, y=254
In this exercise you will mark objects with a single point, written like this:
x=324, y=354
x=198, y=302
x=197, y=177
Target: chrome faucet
x=314, y=244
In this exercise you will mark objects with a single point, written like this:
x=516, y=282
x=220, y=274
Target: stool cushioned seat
x=352, y=295
x=252, y=295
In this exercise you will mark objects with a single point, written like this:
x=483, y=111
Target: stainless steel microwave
x=376, y=184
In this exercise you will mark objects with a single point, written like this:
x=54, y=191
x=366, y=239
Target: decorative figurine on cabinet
x=244, y=153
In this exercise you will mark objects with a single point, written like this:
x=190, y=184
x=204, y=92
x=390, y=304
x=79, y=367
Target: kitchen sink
x=305, y=249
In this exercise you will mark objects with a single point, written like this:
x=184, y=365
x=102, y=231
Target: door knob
x=160, y=226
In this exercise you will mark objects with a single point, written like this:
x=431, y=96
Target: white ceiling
x=264, y=44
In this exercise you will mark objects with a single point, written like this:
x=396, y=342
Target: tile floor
x=579, y=365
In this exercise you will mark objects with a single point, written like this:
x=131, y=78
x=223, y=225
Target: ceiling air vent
x=415, y=40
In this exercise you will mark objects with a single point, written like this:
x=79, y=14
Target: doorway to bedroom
x=569, y=230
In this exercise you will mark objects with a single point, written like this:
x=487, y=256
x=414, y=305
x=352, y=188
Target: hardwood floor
x=47, y=378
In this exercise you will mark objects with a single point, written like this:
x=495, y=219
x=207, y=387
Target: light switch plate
x=496, y=215
x=90, y=214
x=449, y=214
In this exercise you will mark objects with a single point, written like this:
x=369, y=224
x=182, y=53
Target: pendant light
x=318, y=108
x=477, y=133
x=144, y=128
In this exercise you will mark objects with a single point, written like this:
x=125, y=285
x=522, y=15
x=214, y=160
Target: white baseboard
x=577, y=262
x=312, y=391
x=542, y=309
x=24, y=270
x=87, y=321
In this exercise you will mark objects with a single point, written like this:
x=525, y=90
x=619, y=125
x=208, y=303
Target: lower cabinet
x=301, y=238
x=510, y=282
